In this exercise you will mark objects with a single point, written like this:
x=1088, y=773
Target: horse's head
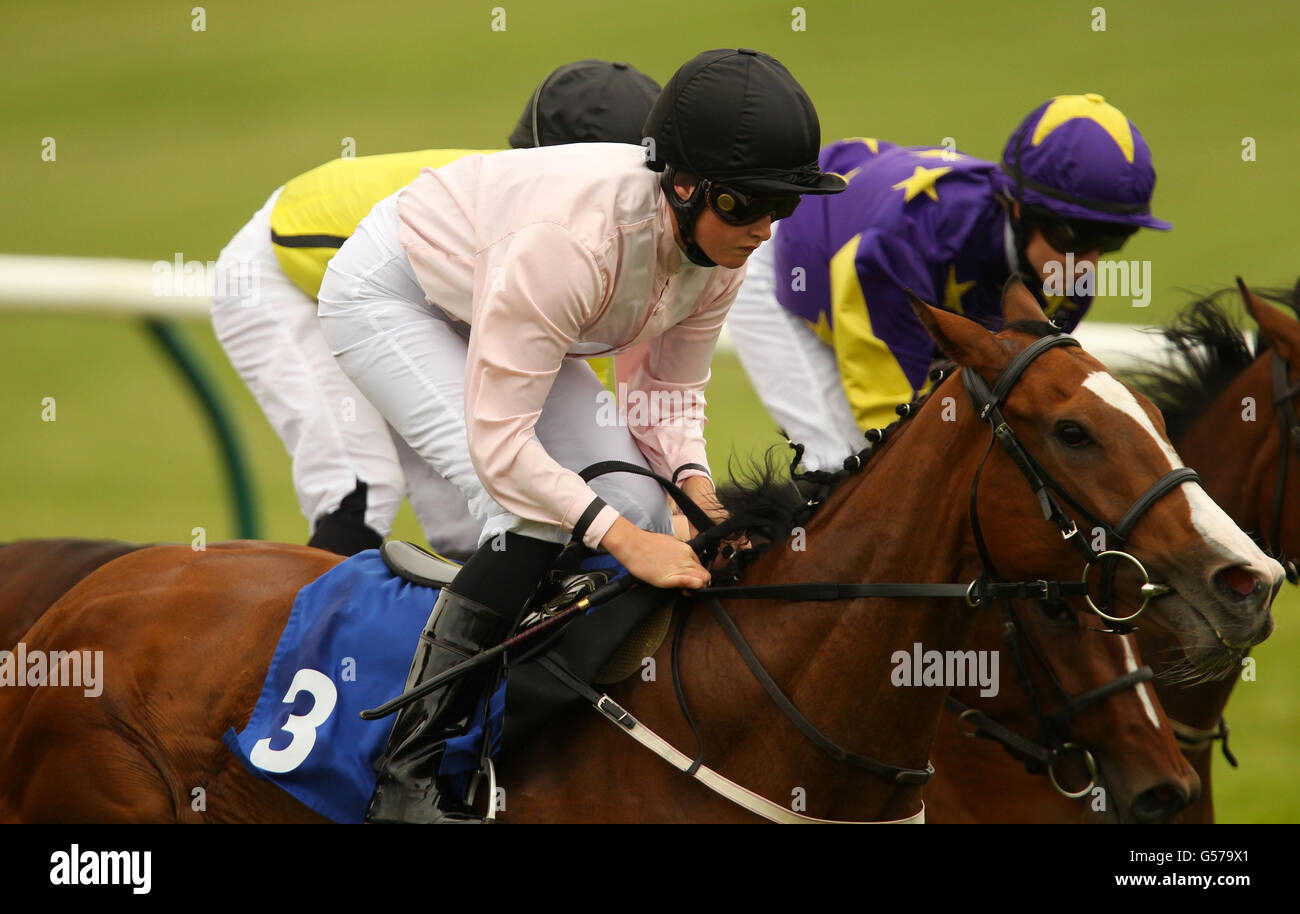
x=1107, y=464
x=1277, y=424
x=1084, y=699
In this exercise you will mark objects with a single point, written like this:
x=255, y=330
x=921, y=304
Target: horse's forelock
x=765, y=502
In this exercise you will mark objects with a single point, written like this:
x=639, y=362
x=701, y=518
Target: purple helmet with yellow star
x=1082, y=159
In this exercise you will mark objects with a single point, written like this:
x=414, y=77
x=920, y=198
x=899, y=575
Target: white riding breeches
x=335, y=437
x=793, y=372
x=408, y=357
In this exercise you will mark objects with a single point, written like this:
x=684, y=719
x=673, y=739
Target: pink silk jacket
x=565, y=252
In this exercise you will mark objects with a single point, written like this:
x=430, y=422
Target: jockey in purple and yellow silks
x=822, y=322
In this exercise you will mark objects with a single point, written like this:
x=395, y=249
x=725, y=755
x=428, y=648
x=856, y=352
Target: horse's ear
x=1280, y=329
x=960, y=338
x=1018, y=303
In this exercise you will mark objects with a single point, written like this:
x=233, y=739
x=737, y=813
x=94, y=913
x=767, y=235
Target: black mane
x=767, y=501
x=1211, y=351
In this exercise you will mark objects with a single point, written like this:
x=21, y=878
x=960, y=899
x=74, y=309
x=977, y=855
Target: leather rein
x=988, y=588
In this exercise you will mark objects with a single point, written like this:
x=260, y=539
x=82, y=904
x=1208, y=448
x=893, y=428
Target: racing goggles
x=1079, y=236
x=735, y=207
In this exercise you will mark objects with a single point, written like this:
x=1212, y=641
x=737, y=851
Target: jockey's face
x=726, y=245
x=730, y=245
x=1039, y=254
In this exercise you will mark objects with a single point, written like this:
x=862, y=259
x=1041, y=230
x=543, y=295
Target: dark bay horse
x=1256, y=479
x=187, y=635
x=1221, y=404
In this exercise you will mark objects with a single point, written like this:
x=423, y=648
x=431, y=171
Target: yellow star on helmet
x=1092, y=107
x=923, y=179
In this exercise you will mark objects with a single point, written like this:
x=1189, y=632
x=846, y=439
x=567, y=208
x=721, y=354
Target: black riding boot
x=344, y=530
x=476, y=611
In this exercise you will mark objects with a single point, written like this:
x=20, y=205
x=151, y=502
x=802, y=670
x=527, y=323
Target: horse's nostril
x=1160, y=804
x=1239, y=581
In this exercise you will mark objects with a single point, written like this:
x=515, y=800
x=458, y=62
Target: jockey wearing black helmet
x=738, y=127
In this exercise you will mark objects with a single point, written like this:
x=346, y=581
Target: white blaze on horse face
x=1208, y=519
x=1130, y=664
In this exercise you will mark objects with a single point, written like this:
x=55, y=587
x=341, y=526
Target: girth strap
x=816, y=737
x=746, y=799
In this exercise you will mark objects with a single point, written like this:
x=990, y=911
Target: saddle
x=602, y=647
x=409, y=562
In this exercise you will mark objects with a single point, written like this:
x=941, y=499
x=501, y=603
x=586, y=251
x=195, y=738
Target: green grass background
x=169, y=139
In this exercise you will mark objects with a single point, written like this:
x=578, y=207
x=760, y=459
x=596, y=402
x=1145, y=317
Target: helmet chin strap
x=1020, y=232
x=686, y=211
x=1020, y=252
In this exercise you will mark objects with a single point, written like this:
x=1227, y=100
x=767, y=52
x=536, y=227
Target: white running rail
x=91, y=284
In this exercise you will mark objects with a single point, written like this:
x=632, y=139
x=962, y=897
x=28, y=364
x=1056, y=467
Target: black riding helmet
x=588, y=101
x=735, y=118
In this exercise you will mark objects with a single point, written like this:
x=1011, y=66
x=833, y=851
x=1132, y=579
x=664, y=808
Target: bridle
x=988, y=404
x=1194, y=739
x=990, y=587
x=1053, y=729
x=987, y=588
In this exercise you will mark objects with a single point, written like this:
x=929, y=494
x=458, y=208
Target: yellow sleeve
x=873, y=380
x=319, y=210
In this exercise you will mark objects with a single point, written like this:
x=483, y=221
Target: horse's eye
x=1072, y=434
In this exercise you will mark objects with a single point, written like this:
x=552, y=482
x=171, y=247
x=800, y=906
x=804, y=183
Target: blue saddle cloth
x=347, y=646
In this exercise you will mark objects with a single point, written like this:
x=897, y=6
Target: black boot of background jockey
x=344, y=530
x=476, y=611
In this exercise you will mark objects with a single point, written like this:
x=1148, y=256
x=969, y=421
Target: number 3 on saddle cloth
x=347, y=646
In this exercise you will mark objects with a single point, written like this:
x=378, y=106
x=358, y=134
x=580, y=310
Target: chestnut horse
x=187, y=636
x=1203, y=395
x=35, y=573
x=1251, y=454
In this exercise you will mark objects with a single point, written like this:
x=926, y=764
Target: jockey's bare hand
x=656, y=558
x=700, y=489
